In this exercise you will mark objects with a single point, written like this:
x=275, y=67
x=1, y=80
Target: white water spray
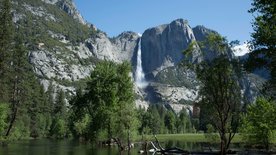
x=139, y=74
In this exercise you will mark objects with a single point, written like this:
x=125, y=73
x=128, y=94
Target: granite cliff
x=64, y=48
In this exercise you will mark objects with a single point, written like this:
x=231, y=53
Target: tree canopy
x=108, y=100
x=220, y=96
x=259, y=123
x=264, y=41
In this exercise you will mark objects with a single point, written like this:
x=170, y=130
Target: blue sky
x=229, y=17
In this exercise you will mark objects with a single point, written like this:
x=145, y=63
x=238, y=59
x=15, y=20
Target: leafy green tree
x=102, y=97
x=58, y=128
x=220, y=91
x=126, y=122
x=221, y=94
x=79, y=118
x=264, y=41
x=81, y=127
x=211, y=135
x=264, y=25
x=109, y=102
x=259, y=123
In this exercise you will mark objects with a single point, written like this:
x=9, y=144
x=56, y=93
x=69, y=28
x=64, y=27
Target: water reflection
x=70, y=147
x=55, y=147
x=189, y=146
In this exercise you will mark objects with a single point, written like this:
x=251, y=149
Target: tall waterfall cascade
x=139, y=73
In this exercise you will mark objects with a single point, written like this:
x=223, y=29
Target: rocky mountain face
x=118, y=49
x=64, y=48
x=170, y=83
x=162, y=46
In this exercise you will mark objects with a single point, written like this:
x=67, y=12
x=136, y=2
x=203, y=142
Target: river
x=70, y=147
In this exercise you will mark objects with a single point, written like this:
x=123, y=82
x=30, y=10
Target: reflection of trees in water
x=191, y=146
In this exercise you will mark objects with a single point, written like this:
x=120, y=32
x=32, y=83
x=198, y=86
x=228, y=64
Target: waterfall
x=139, y=74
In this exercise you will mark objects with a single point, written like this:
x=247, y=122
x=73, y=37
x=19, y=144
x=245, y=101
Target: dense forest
x=104, y=108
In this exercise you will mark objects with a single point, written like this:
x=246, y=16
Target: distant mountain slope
x=64, y=48
x=172, y=83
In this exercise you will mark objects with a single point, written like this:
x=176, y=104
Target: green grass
x=187, y=137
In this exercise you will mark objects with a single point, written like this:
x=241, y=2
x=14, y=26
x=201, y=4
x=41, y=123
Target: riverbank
x=199, y=142
x=189, y=142
x=187, y=137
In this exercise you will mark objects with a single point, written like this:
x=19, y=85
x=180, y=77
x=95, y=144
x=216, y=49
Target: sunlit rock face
x=61, y=56
x=163, y=46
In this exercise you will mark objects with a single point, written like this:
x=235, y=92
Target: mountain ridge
x=64, y=49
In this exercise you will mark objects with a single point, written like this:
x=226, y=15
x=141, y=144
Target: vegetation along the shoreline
x=103, y=111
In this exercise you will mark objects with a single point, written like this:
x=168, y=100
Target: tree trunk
x=223, y=148
x=128, y=139
x=14, y=106
x=11, y=122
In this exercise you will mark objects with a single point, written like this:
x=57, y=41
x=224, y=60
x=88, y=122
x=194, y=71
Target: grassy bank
x=187, y=137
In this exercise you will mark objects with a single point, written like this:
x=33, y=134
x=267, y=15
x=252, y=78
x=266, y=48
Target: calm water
x=54, y=147
x=69, y=147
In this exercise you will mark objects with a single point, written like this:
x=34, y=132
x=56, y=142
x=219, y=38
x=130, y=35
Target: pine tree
x=3, y=118
x=59, y=125
x=60, y=104
x=170, y=122
x=183, y=122
x=18, y=71
x=49, y=107
x=50, y=97
x=6, y=40
x=37, y=111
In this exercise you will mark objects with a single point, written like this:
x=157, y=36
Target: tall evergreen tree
x=59, y=125
x=183, y=124
x=50, y=98
x=60, y=104
x=18, y=79
x=170, y=122
x=6, y=40
x=49, y=107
